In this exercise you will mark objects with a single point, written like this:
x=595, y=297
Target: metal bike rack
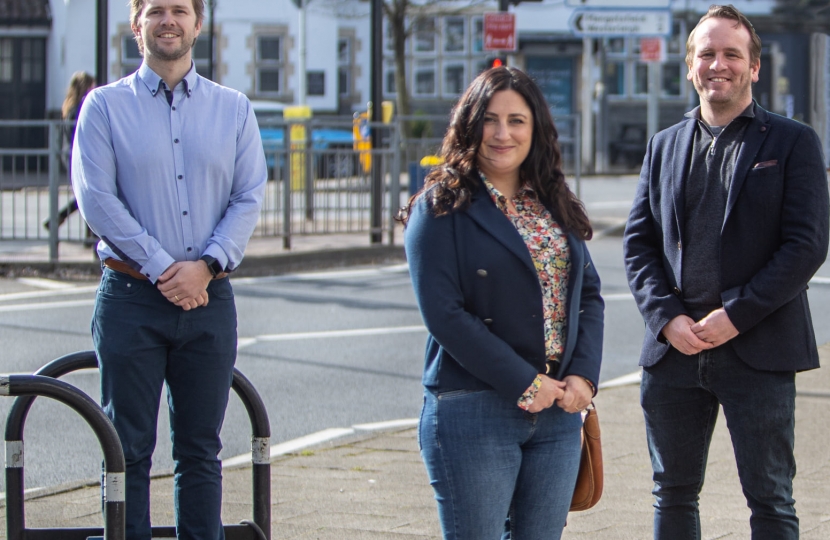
x=29, y=386
x=258, y=528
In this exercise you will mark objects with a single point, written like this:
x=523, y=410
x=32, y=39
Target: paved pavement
x=368, y=482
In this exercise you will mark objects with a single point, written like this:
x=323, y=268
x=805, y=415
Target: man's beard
x=173, y=55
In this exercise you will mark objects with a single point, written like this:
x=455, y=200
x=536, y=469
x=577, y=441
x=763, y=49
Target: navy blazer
x=481, y=301
x=773, y=239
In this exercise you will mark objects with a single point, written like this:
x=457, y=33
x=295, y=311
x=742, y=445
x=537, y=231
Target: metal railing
x=319, y=182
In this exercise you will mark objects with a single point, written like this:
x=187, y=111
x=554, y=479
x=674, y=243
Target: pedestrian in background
x=79, y=86
x=496, y=247
x=728, y=225
x=169, y=171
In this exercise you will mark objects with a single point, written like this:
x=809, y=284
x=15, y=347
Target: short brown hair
x=137, y=5
x=727, y=12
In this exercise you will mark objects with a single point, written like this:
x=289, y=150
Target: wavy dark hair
x=450, y=186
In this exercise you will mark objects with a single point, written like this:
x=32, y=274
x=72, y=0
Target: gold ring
x=176, y=297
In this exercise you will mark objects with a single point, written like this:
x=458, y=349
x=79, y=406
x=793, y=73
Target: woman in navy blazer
x=507, y=290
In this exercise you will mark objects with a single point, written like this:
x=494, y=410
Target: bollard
x=114, y=466
x=257, y=529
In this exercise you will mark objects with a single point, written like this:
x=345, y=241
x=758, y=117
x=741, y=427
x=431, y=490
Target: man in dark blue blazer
x=729, y=223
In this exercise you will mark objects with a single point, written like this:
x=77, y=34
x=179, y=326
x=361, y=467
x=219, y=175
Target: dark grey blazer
x=774, y=238
x=481, y=301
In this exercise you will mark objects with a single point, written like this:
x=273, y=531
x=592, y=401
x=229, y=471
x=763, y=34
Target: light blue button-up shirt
x=160, y=183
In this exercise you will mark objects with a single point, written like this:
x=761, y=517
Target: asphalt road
x=324, y=350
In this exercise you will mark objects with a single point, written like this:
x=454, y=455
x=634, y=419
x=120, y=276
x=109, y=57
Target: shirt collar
x=524, y=189
x=155, y=84
x=749, y=112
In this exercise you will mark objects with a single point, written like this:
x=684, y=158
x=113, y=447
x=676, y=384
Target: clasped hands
x=572, y=394
x=690, y=337
x=185, y=284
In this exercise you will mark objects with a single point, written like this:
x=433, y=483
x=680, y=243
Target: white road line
x=47, y=305
x=318, y=276
x=47, y=294
x=617, y=297
x=42, y=283
x=358, y=332
x=820, y=280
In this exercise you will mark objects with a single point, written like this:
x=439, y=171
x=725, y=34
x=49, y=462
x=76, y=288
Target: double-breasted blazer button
x=488, y=321
x=481, y=272
x=676, y=291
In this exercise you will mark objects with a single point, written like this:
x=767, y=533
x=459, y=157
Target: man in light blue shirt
x=169, y=172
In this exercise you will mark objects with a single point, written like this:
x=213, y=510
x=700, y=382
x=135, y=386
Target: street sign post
x=499, y=31
x=618, y=22
x=652, y=49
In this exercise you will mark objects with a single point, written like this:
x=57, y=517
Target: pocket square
x=763, y=164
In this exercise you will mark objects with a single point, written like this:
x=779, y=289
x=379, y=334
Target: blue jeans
x=144, y=341
x=489, y=461
x=680, y=397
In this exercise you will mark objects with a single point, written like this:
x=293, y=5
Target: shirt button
x=180, y=177
x=190, y=249
x=175, y=140
x=184, y=213
x=174, y=108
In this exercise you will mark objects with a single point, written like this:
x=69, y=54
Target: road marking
x=319, y=276
x=610, y=204
x=617, y=297
x=47, y=294
x=42, y=283
x=47, y=305
x=358, y=332
x=820, y=280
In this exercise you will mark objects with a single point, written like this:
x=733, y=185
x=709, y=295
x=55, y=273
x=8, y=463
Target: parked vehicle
x=332, y=149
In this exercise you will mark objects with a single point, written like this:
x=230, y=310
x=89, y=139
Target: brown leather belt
x=124, y=268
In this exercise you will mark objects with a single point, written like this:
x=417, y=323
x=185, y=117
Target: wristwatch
x=214, y=266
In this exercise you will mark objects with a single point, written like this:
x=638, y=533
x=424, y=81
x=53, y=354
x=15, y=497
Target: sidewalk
x=371, y=484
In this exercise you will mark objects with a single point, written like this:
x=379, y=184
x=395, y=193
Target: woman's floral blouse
x=549, y=250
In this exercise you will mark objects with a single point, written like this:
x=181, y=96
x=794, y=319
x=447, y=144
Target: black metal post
x=114, y=464
x=260, y=450
x=101, y=42
x=376, y=218
x=211, y=66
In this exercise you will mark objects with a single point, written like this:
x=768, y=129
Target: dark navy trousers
x=144, y=341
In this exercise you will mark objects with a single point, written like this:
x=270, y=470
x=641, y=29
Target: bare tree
x=404, y=18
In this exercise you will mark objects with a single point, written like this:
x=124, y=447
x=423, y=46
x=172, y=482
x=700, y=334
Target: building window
x=33, y=60
x=641, y=78
x=626, y=77
x=344, y=66
x=424, y=75
x=6, y=59
x=672, y=79
x=454, y=80
x=269, y=65
x=615, y=78
x=454, y=35
x=130, y=57
x=201, y=55
x=389, y=86
x=425, y=35
x=316, y=83
x=478, y=35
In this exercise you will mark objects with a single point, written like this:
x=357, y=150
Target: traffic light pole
x=101, y=34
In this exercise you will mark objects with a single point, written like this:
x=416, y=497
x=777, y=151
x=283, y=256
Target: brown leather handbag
x=588, y=488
